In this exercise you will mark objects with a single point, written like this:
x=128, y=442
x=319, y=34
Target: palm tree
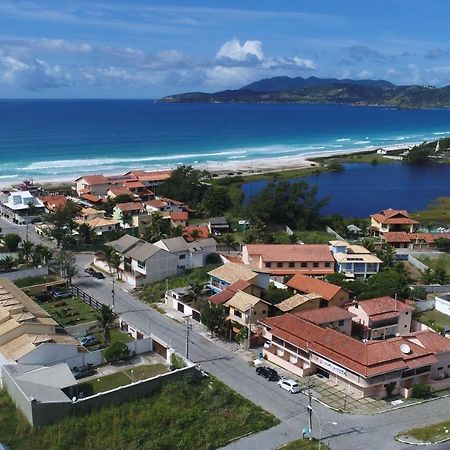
x=26, y=250
x=116, y=260
x=153, y=231
x=86, y=232
x=369, y=244
x=195, y=234
x=107, y=255
x=106, y=319
x=387, y=255
x=177, y=231
x=8, y=263
x=40, y=254
x=229, y=242
x=195, y=289
x=47, y=253
x=427, y=276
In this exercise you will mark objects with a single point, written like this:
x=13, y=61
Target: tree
x=115, y=261
x=443, y=244
x=26, y=250
x=8, y=264
x=46, y=253
x=195, y=289
x=213, y=317
x=387, y=256
x=369, y=244
x=62, y=222
x=284, y=203
x=86, y=232
x=427, y=276
x=176, y=231
x=153, y=231
x=229, y=242
x=106, y=318
x=441, y=275
x=418, y=155
x=256, y=233
x=116, y=351
x=66, y=264
x=276, y=295
x=216, y=201
x=195, y=234
x=12, y=241
x=390, y=282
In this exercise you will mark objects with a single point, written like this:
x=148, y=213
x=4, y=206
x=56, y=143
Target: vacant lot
x=186, y=414
x=70, y=311
x=436, y=318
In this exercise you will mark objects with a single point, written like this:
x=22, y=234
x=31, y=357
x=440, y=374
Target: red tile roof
x=129, y=206
x=134, y=184
x=222, y=297
x=311, y=285
x=397, y=236
x=434, y=342
x=394, y=217
x=325, y=315
x=403, y=236
x=156, y=203
x=54, y=201
x=375, y=307
x=181, y=216
x=151, y=176
x=203, y=232
x=291, y=252
x=365, y=358
x=91, y=198
x=94, y=180
x=120, y=190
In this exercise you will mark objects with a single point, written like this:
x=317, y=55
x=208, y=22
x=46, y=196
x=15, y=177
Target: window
x=279, y=264
x=182, y=257
x=440, y=368
x=341, y=323
x=268, y=264
x=141, y=264
x=316, y=264
x=237, y=313
x=304, y=264
x=291, y=264
x=327, y=264
x=406, y=313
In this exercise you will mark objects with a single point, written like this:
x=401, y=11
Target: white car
x=289, y=385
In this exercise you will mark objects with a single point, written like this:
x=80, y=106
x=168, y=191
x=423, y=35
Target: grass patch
x=116, y=336
x=154, y=292
x=103, y=384
x=304, y=444
x=146, y=371
x=441, y=261
x=431, y=433
x=70, y=311
x=437, y=212
x=361, y=157
x=436, y=318
x=31, y=281
x=182, y=415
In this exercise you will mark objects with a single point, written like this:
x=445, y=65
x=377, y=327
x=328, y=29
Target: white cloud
x=364, y=74
x=236, y=52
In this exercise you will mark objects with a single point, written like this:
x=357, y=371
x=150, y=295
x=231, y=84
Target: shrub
x=389, y=389
x=176, y=362
x=421, y=390
x=213, y=258
x=116, y=351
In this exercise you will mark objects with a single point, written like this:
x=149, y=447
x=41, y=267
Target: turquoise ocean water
x=61, y=139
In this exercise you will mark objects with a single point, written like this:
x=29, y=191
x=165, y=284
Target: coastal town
x=114, y=286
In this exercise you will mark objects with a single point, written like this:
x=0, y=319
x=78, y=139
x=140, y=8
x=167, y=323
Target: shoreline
x=247, y=167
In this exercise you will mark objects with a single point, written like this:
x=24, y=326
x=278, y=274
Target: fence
x=35, y=272
x=77, y=292
x=435, y=288
x=417, y=264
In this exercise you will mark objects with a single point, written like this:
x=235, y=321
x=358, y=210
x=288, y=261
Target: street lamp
x=321, y=425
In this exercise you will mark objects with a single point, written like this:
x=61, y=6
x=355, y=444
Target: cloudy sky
x=146, y=49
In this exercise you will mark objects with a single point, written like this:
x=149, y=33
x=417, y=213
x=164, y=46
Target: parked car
x=98, y=275
x=42, y=297
x=289, y=385
x=90, y=270
x=89, y=340
x=268, y=373
x=58, y=293
x=83, y=371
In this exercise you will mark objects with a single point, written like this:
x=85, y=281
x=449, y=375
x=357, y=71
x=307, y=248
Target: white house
x=22, y=207
x=93, y=184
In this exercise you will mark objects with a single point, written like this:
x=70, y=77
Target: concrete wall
x=417, y=264
x=35, y=272
x=442, y=304
x=83, y=329
x=424, y=305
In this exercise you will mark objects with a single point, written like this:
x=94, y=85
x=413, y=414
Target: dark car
x=268, y=373
x=83, y=371
x=42, y=297
x=90, y=271
x=58, y=293
x=98, y=275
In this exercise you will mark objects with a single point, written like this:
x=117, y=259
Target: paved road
x=352, y=432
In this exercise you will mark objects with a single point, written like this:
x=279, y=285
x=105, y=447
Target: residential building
x=299, y=302
x=382, y=317
x=179, y=219
x=413, y=241
x=391, y=220
x=53, y=202
x=150, y=180
x=124, y=213
x=223, y=296
x=218, y=226
x=328, y=293
x=22, y=207
x=332, y=317
x=100, y=225
x=227, y=274
x=91, y=213
x=96, y=185
x=195, y=232
x=363, y=368
x=118, y=190
x=189, y=254
x=179, y=299
x=286, y=259
x=354, y=260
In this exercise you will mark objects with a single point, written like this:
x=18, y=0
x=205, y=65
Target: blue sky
x=146, y=49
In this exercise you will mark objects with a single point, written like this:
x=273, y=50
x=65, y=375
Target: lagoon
x=363, y=189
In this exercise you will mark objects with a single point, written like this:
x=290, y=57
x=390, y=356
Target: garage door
x=160, y=349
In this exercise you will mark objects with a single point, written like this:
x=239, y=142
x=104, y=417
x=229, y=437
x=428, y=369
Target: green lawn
x=183, y=415
x=70, y=311
x=360, y=157
x=439, y=319
x=438, y=212
x=31, y=281
x=304, y=444
x=116, y=336
x=106, y=383
x=146, y=371
x=433, y=263
x=431, y=433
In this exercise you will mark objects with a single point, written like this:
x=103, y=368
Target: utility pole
x=188, y=329
x=249, y=337
x=309, y=409
x=113, y=292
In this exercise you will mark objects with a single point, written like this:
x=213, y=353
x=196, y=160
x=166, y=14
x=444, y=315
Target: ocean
x=62, y=139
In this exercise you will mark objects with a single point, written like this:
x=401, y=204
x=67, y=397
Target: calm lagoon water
x=362, y=189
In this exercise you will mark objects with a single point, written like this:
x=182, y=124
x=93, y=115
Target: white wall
x=442, y=305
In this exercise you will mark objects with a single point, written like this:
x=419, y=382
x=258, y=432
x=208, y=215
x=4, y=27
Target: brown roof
x=150, y=176
x=203, y=232
x=156, y=203
x=397, y=236
x=394, y=217
x=129, y=206
x=381, y=306
x=134, y=184
x=54, y=201
x=325, y=315
x=432, y=341
x=120, y=190
x=91, y=198
x=94, y=180
x=291, y=252
x=310, y=285
x=366, y=358
x=296, y=300
x=223, y=296
x=179, y=216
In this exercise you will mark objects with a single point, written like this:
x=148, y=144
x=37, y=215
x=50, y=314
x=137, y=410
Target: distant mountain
x=324, y=90
x=277, y=84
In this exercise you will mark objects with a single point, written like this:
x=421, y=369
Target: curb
x=412, y=404
x=422, y=444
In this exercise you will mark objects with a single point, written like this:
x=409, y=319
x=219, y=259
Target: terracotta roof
x=365, y=358
x=394, y=217
x=396, y=236
x=242, y=301
x=296, y=300
x=310, y=285
x=179, y=216
x=223, y=296
x=203, y=232
x=91, y=198
x=232, y=272
x=432, y=341
x=156, y=203
x=151, y=176
x=94, y=180
x=306, y=271
x=120, y=190
x=291, y=252
x=403, y=236
x=325, y=315
x=382, y=305
x=53, y=201
x=129, y=206
x=134, y=184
